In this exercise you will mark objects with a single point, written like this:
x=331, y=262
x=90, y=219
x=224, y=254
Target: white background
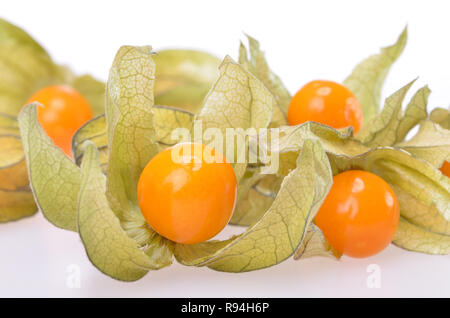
x=303, y=40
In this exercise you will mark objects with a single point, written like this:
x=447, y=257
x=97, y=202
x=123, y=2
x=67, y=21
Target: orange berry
x=187, y=201
x=325, y=102
x=64, y=111
x=360, y=214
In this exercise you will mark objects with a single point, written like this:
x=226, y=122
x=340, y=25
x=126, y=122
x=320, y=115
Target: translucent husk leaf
x=94, y=131
x=315, y=244
x=26, y=67
x=251, y=207
x=422, y=228
x=165, y=119
x=130, y=130
x=54, y=177
x=236, y=100
x=184, y=77
x=15, y=194
x=108, y=246
x=13, y=35
x=418, y=178
x=11, y=149
x=269, y=185
x=415, y=112
x=423, y=193
x=91, y=89
x=339, y=142
x=392, y=125
x=280, y=232
x=239, y=100
x=441, y=116
x=421, y=214
x=250, y=203
x=431, y=143
x=368, y=77
x=290, y=141
x=256, y=64
x=414, y=238
x=131, y=144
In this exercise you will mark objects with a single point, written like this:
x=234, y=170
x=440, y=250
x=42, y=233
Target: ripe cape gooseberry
x=325, y=102
x=360, y=214
x=63, y=112
x=190, y=200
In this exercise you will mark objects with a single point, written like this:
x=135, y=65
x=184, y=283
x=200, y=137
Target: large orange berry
x=360, y=214
x=325, y=102
x=186, y=196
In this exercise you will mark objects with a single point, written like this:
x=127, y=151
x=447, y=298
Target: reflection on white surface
x=38, y=259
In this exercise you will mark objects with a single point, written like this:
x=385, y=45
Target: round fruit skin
x=187, y=202
x=445, y=169
x=325, y=102
x=360, y=214
x=64, y=111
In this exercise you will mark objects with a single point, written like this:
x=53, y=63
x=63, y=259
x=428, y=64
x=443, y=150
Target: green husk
x=368, y=77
